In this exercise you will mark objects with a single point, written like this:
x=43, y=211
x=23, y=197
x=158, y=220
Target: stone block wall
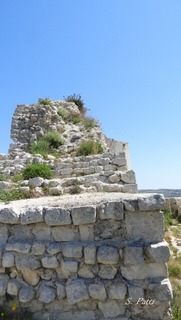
x=85, y=257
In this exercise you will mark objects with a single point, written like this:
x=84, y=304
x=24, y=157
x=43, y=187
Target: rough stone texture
x=97, y=291
x=56, y=216
x=107, y=255
x=8, y=215
x=117, y=291
x=76, y=291
x=83, y=215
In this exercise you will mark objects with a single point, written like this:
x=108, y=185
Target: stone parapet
x=85, y=257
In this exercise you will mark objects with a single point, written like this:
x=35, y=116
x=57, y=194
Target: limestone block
x=30, y=276
x=54, y=248
x=103, y=161
x=50, y=262
x=87, y=305
x=76, y=291
x=160, y=291
x=38, y=248
x=97, y=291
x=133, y=255
x=111, y=309
x=60, y=290
x=72, y=250
x=32, y=215
x=36, y=182
x=9, y=215
x=89, y=170
x=46, y=293
x=117, y=291
x=98, y=169
x=107, y=272
x=4, y=235
x=53, y=183
x=56, y=216
x=3, y=287
x=86, y=272
x=112, y=187
x=75, y=315
x=111, y=210
x=114, y=178
x=131, y=205
x=26, y=294
x=68, y=268
x=27, y=261
x=147, y=226
x=55, y=191
x=109, y=229
x=20, y=234
x=128, y=177
x=130, y=188
x=151, y=202
x=67, y=171
x=42, y=232
x=135, y=293
x=107, y=255
x=90, y=254
x=119, y=161
x=109, y=168
x=13, y=287
x=86, y=232
x=144, y=271
x=8, y=260
x=158, y=252
x=83, y=215
x=65, y=233
x=21, y=247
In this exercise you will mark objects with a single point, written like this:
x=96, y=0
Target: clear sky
x=122, y=56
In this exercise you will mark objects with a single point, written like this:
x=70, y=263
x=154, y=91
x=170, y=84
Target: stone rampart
x=89, y=257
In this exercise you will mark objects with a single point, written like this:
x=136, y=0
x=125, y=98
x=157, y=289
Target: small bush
x=34, y=170
x=10, y=195
x=62, y=114
x=45, y=101
x=40, y=147
x=18, y=177
x=53, y=138
x=77, y=99
x=3, y=177
x=76, y=120
x=89, y=147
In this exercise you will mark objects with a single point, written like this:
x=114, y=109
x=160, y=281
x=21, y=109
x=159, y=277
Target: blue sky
x=122, y=56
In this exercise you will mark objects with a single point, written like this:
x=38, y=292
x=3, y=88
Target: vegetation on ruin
x=89, y=147
x=34, y=170
x=77, y=99
x=45, y=101
x=11, y=195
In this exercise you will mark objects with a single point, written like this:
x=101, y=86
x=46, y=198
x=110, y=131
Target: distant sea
x=165, y=192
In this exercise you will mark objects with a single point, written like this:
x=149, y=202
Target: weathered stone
x=90, y=254
x=107, y=255
x=9, y=215
x=38, y=248
x=67, y=268
x=72, y=250
x=135, y=293
x=57, y=216
x=83, y=215
x=46, y=293
x=133, y=255
x=114, y=178
x=111, y=210
x=130, y=188
x=103, y=161
x=65, y=233
x=3, y=286
x=119, y=161
x=111, y=309
x=144, y=271
x=54, y=248
x=128, y=176
x=50, y=262
x=42, y=232
x=76, y=291
x=28, y=261
x=75, y=315
x=86, y=232
x=158, y=252
x=36, y=182
x=4, y=235
x=86, y=272
x=26, y=294
x=160, y=291
x=97, y=291
x=55, y=191
x=151, y=202
x=13, y=287
x=60, y=290
x=117, y=291
x=32, y=215
x=19, y=247
x=8, y=260
x=107, y=272
x=131, y=205
x=30, y=276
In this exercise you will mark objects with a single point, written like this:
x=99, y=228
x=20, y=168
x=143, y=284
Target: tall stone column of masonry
x=86, y=257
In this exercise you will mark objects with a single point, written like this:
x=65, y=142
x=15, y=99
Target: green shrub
x=89, y=147
x=18, y=177
x=54, y=139
x=34, y=170
x=76, y=120
x=45, y=101
x=62, y=114
x=10, y=195
x=167, y=220
x=77, y=99
x=40, y=147
x=3, y=177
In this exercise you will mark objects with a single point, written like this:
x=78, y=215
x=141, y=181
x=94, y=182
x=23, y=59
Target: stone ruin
x=96, y=255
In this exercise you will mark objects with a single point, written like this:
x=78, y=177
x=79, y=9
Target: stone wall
x=99, y=256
